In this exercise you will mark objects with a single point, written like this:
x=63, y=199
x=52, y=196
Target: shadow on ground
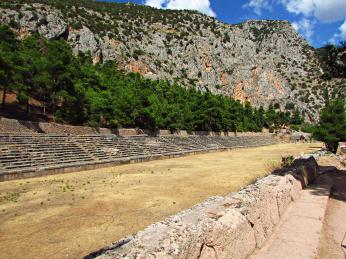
x=338, y=179
x=339, y=187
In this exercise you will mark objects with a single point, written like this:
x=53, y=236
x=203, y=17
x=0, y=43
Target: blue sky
x=319, y=21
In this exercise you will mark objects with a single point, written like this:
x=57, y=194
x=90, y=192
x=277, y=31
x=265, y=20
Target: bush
x=287, y=161
x=289, y=106
x=137, y=53
x=308, y=128
x=295, y=127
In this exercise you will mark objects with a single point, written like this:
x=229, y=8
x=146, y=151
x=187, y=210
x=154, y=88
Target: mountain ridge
x=260, y=61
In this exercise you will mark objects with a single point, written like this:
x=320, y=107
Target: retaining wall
x=22, y=126
x=220, y=227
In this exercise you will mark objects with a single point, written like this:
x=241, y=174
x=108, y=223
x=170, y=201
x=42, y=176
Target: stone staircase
x=29, y=153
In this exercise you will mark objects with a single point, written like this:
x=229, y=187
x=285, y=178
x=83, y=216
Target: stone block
x=305, y=170
x=223, y=234
x=256, y=205
x=227, y=236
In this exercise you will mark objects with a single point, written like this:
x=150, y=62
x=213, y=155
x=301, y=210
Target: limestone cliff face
x=256, y=61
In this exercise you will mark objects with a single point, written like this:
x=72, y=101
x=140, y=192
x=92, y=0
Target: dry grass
x=271, y=166
x=73, y=214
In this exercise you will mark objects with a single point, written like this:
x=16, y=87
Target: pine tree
x=296, y=118
x=271, y=118
x=8, y=61
x=332, y=125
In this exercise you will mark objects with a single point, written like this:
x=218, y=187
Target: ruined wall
x=21, y=126
x=220, y=227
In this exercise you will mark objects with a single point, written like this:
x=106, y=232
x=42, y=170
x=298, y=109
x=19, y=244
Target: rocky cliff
x=256, y=61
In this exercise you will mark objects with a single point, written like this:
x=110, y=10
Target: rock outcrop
x=256, y=61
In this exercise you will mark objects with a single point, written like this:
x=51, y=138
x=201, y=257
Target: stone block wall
x=220, y=227
x=21, y=126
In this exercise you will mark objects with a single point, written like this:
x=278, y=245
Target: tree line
x=76, y=91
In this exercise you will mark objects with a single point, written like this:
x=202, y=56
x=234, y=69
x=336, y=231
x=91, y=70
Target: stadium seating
x=20, y=153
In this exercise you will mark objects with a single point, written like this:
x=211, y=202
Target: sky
x=318, y=21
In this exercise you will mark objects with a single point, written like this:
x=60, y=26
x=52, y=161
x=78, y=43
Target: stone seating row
x=35, y=152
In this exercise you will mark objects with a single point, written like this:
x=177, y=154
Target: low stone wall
x=21, y=126
x=220, y=227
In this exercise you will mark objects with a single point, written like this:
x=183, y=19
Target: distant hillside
x=258, y=61
x=333, y=60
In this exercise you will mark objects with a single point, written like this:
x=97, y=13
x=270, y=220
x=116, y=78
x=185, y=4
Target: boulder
x=305, y=170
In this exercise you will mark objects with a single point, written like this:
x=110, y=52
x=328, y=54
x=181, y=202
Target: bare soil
x=70, y=215
x=333, y=238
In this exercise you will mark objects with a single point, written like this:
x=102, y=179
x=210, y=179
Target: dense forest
x=76, y=91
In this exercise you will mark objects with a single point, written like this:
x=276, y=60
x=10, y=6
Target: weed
x=12, y=197
x=287, y=161
x=272, y=166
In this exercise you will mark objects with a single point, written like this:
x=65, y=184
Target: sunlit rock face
x=261, y=62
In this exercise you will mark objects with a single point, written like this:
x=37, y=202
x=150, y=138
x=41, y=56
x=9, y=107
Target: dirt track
x=73, y=214
x=333, y=237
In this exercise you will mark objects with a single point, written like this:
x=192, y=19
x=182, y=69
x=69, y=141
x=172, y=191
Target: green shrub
x=332, y=125
x=137, y=53
x=287, y=161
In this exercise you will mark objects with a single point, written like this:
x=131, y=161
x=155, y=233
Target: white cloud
x=323, y=10
x=155, y=3
x=258, y=6
x=304, y=7
x=331, y=10
x=199, y=5
x=339, y=36
x=306, y=27
x=343, y=31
